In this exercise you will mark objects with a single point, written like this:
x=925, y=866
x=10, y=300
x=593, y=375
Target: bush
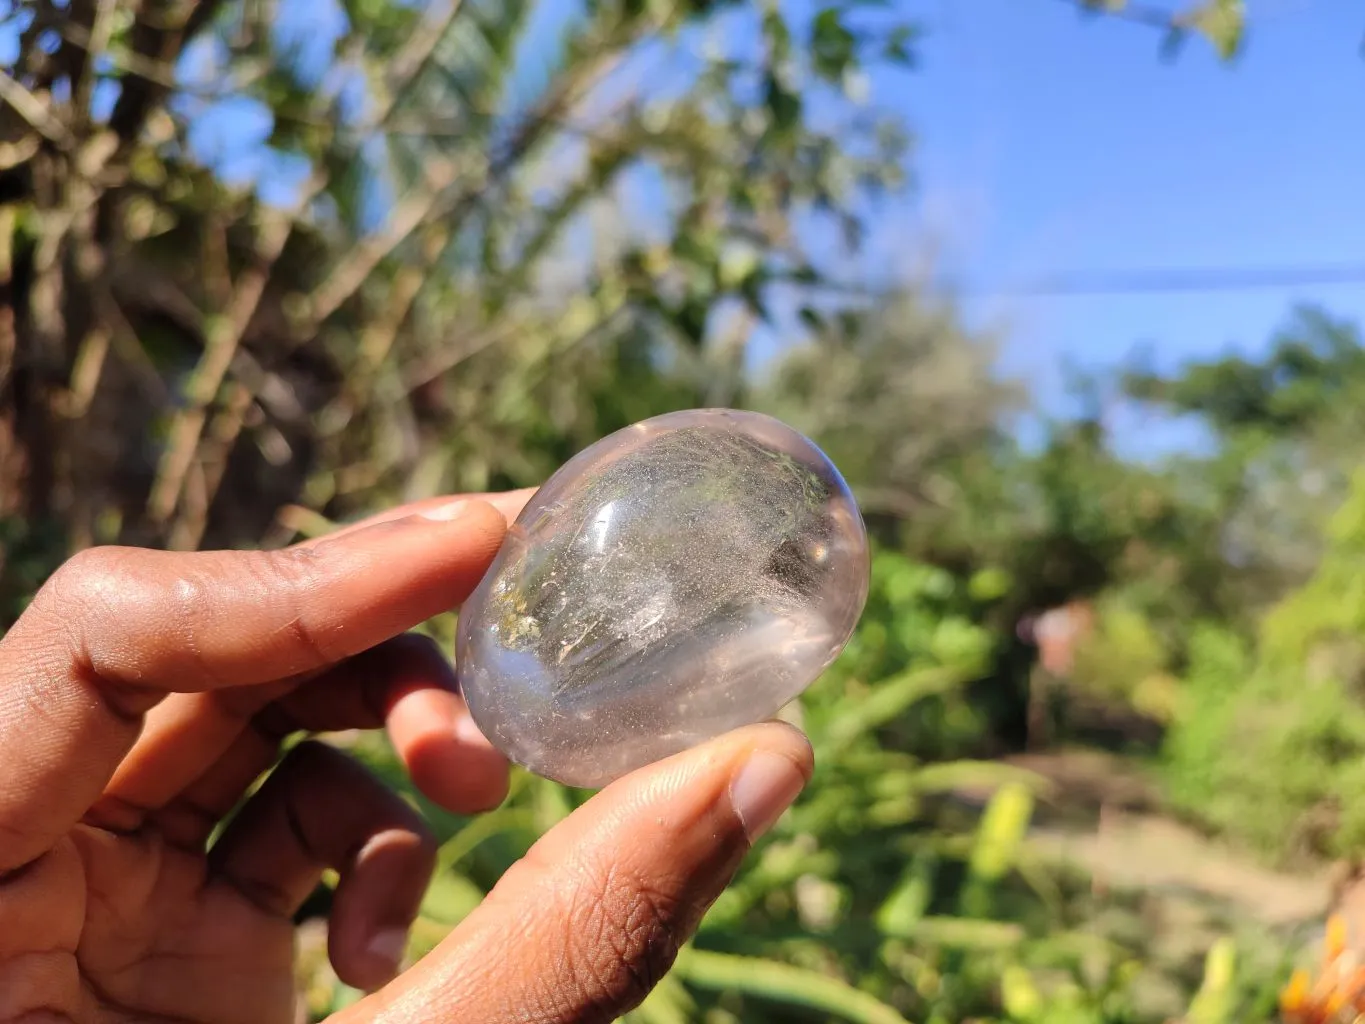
x=1269, y=746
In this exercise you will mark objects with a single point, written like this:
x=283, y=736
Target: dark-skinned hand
x=144, y=693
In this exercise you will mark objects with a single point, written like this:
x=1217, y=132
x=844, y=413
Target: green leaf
x=954, y=775
x=897, y=49
x=1001, y=832
x=962, y=933
x=784, y=106
x=668, y=1003
x=480, y=830
x=910, y=900
x=1223, y=23
x=1216, y=999
x=782, y=983
x=832, y=45
x=988, y=585
x=1020, y=996
x=890, y=699
x=450, y=898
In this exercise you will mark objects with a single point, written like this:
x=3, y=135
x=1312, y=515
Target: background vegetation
x=448, y=254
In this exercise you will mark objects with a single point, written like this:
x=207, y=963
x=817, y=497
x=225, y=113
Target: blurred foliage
x=881, y=897
x=443, y=246
x=1276, y=724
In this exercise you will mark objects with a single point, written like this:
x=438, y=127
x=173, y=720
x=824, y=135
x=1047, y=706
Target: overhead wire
x=1204, y=279
x=1145, y=281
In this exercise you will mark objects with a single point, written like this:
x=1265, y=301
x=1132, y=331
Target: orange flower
x=1338, y=994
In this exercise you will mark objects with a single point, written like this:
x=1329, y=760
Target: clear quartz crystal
x=683, y=577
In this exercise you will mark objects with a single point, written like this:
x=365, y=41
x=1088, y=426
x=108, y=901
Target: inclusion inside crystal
x=680, y=578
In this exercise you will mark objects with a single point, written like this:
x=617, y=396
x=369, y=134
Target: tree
x=1287, y=426
x=900, y=395
x=439, y=256
x=1222, y=23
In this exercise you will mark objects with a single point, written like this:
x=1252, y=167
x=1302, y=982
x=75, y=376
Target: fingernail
x=389, y=946
x=445, y=513
x=763, y=789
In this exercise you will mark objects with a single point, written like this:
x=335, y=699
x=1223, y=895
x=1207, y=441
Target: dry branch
x=223, y=335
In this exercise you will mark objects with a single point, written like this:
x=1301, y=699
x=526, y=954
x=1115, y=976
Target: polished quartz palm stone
x=685, y=576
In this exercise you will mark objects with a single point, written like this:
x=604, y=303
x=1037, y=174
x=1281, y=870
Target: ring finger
x=322, y=810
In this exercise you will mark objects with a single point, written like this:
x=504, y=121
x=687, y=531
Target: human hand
x=143, y=694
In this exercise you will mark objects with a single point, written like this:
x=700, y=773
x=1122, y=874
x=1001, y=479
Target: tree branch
x=188, y=529
x=159, y=38
x=432, y=199
x=415, y=54
x=1141, y=14
x=36, y=111
x=100, y=32
x=157, y=73
x=222, y=337
x=221, y=346
x=346, y=278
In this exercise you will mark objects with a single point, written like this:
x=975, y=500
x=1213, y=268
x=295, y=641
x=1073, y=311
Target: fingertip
x=748, y=777
x=457, y=537
x=472, y=513
x=461, y=779
x=508, y=504
x=375, y=905
x=511, y=503
x=782, y=739
x=446, y=756
x=374, y=963
x=775, y=762
x=476, y=525
x=469, y=734
x=385, y=952
x=720, y=757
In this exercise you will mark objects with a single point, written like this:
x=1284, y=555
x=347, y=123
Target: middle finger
x=405, y=684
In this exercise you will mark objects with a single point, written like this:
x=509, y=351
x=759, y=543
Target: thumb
x=588, y=922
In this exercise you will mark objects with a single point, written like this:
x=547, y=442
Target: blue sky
x=1048, y=143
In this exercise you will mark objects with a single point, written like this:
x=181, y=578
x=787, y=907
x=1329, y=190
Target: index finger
x=117, y=628
x=509, y=503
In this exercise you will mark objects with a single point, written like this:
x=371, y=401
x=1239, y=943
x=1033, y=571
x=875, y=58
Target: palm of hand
x=142, y=932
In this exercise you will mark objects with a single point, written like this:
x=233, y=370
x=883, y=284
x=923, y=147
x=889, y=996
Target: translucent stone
x=683, y=577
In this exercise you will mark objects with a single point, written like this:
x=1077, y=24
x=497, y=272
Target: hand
x=144, y=693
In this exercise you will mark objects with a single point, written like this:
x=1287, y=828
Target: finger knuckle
x=104, y=594
x=89, y=592
x=294, y=574
x=87, y=579
x=313, y=763
x=192, y=597
x=74, y=635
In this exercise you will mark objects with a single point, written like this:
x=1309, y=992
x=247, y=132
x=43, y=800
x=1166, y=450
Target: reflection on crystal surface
x=680, y=578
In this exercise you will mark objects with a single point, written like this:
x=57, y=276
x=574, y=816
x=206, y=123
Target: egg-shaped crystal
x=682, y=577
